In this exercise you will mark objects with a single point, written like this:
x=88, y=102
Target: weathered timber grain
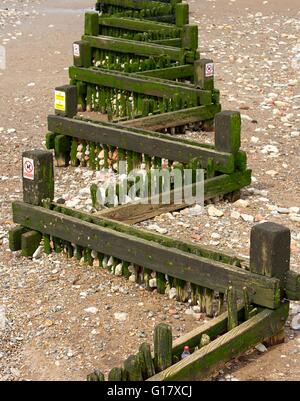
x=120, y=45
x=174, y=118
x=141, y=141
x=136, y=212
x=39, y=184
x=138, y=84
x=270, y=249
x=162, y=347
x=184, y=266
x=149, y=365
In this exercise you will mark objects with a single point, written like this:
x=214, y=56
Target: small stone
x=215, y=236
x=241, y=203
x=261, y=348
x=91, y=310
x=152, y=283
x=38, y=253
x=248, y=218
x=172, y=293
x=295, y=324
x=214, y=212
x=119, y=269
x=235, y=215
x=121, y=316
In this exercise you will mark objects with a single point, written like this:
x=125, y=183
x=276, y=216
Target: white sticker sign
x=76, y=50
x=209, y=70
x=28, y=168
x=60, y=100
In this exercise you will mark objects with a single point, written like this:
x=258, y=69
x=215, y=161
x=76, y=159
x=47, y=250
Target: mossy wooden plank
x=292, y=286
x=196, y=249
x=144, y=142
x=178, y=72
x=178, y=264
x=136, y=212
x=174, y=118
x=138, y=48
x=213, y=356
x=213, y=329
x=14, y=238
x=138, y=84
x=162, y=347
x=135, y=24
x=138, y=4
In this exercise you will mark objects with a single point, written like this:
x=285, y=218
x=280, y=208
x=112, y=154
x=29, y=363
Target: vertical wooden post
x=82, y=54
x=270, y=251
x=228, y=131
x=190, y=37
x=91, y=23
x=66, y=101
x=162, y=347
x=182, y=14
x=38, y=176
x=204, y=74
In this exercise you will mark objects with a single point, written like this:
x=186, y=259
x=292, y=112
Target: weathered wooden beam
x=150, y=143
x=178, y=72
x=38, y=176
x=136, y=212
x=213, y=356
x=213, y=329
x=174, y=118
x=138, y=4
x=144, y=85
x=135, y=24
x=139, y=48
x=178, y=264
x=195, y=249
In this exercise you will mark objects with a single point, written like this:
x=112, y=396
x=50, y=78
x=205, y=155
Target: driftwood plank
x=213, y=356
x=184, y=266
x=150, y=143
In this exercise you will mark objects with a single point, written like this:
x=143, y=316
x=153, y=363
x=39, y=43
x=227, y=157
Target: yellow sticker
x=60, y=101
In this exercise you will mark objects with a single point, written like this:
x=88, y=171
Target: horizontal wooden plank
x=144, y=85
x=151, y=143
x=146, y=49
x=174, y=42
x=135, y=24
x=136, y=212
x=175, y=118
x=101, y=219
x=213, y=329
x=137, y=4
x=178, y=72
x=191, y=268
x=213, y=356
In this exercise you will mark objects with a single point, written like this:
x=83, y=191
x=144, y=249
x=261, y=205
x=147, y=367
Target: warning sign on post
x=28, y=168
x=60, y=101
x=76, y=50
x=209, y=70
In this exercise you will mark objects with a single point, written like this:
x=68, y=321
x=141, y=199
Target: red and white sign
x=76, y=50
x=28, y=168
x=209, y=70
